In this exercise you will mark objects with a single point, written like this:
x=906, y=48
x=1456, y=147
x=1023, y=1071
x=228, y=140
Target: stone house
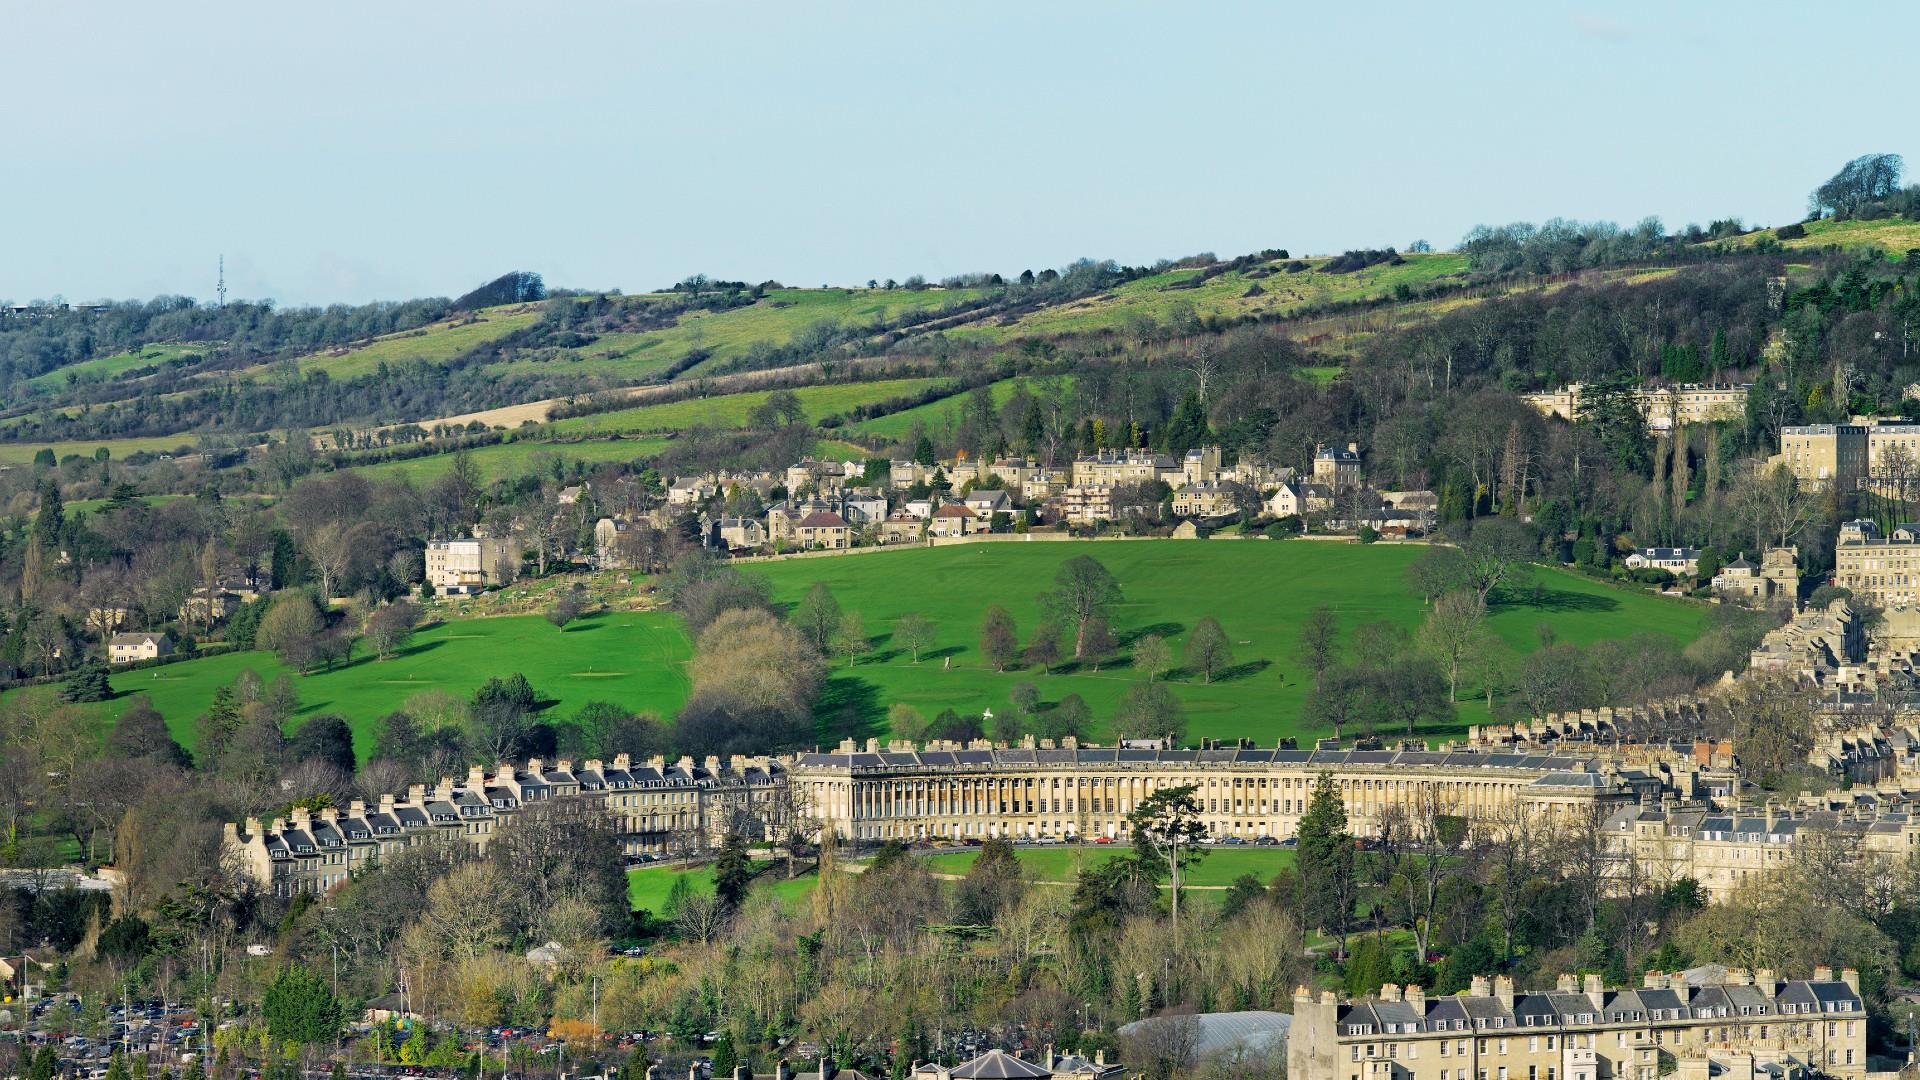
x=127, y=648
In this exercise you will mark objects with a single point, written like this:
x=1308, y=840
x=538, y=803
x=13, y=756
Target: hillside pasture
x=732, y=410
x=635, y=659
x=1260, y=591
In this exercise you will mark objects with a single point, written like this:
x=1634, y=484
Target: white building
x=468, y=565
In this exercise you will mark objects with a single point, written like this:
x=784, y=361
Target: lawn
x=1260, y=591
x=731, y=410
x=940, y=415
x=514, y=458
x=635, y=659
x=649, y=886
x=1218, y=867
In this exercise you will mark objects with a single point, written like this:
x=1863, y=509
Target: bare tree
x=1777, y=506
x=1453, y=632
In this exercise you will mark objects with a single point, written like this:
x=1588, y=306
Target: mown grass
x=648, y=887
x=1260, y=591
x=731, y=410
x=936, y=416
x=1218, y=867
x=636, y=659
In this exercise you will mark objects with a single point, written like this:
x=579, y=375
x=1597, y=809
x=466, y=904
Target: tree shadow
x=1163, y=629
x=1557, y=601
x=881, y=656
x=941, y=653
x=849, y=707
x=589, y=621
x=1242, y=671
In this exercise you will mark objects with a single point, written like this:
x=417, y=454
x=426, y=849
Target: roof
x=136, y=639
x=953, y=510
x=823, y=519
x=998, y=1063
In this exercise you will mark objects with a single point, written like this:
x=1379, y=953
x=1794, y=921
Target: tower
x=220, y=290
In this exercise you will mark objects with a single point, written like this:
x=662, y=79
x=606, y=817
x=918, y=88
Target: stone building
x=467, y=565
x=945, y=790
x=1581, y=1030
x=659, y=809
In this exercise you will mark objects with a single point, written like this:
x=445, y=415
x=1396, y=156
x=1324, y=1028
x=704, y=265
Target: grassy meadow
x=941, y=414
x=731, y=410
x=1895, y=236
x=1216, y=869
x=1260, y=591
x=636, y=659
x=107, y=368
x=514, y=458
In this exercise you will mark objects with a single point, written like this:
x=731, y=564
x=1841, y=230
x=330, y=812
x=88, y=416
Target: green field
x=1279, y=294
x=1217, y=868
x=784, y=313
x=938, y=415
x=1895, y=235
x=435, y=343
x=1261, y=591
x=20, y=453
x=105, y=368
x=730, y=410
x=649, y=886
x=513, y=458
x=635, y=659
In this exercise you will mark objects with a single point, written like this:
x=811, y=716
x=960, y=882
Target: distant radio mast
x=221, y=289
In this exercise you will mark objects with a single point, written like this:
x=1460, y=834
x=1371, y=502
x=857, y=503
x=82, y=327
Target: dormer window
x=306, y=849
x=358, y=834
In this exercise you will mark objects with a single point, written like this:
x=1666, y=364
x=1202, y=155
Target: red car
x=1103, y=839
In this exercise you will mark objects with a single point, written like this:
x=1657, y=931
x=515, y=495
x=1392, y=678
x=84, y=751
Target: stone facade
x=1583, y=1031
x=1085, y=792
x=659, y=808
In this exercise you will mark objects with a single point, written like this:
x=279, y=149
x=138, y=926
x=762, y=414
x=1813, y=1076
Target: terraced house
x=659, y=809
x=1040, y=790
x=1741, y=1025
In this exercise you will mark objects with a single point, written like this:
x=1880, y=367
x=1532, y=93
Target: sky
x=347, y=152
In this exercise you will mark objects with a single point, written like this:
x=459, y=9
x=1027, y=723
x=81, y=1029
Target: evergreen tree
x=88, y=683
x=299, y=1008
x=732, y=872
x=724, y=1056
x=1325, y=861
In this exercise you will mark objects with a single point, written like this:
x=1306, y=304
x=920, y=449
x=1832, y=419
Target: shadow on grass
x=1556, y=601
x=1242, y=671
x=849, y=708
x=590, y=621
x=1163, y=629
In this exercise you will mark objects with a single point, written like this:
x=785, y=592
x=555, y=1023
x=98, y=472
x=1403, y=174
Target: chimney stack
x=1390, y=992
x=1596, y=990
x=1852, y=978
x=1417, y=997
x=1503, y=990
x=1823, y=973
x=1763, y=978
x=1566, y=984
x=1480, y=987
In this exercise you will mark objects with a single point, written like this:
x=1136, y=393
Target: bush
x=1796, y=231
x=1368, y=534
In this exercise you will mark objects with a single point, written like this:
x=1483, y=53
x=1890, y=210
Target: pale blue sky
x=354, y=151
